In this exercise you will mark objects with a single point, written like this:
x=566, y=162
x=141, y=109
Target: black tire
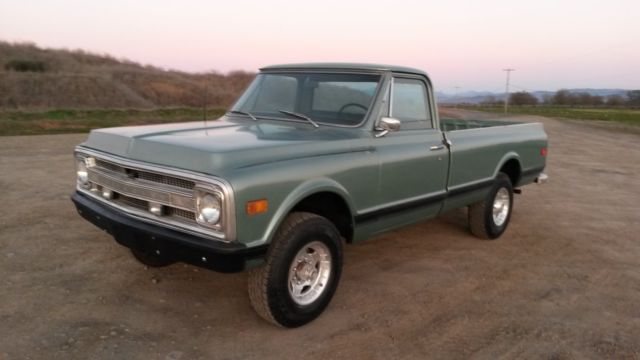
x=151, y=259
x=481, y=220
x=268, y=284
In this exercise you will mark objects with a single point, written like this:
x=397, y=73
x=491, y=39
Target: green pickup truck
x=311, y=156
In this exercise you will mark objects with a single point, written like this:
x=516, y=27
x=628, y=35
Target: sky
x=551, y=44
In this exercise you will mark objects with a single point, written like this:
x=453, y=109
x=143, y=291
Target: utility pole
x=506, y=91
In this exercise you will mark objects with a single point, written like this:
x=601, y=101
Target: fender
x=301, y=192
x=511, y=155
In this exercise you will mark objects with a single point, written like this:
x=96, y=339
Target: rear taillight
x=543, y=152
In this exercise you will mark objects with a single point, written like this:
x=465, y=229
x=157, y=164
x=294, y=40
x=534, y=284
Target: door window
x=409, y=104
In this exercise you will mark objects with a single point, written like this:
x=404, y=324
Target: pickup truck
x=310, y=157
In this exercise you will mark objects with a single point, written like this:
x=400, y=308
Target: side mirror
x=386, y=125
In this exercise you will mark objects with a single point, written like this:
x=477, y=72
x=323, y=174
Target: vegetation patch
x=622, y=115
x=61, y=121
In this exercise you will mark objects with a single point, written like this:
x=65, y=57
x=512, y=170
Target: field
x=625, y=116
x=81, y=121
x=563, y=282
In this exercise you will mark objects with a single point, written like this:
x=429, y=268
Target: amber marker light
x=257, y=206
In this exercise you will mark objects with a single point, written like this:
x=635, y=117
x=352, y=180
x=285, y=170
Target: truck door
x=413, y=161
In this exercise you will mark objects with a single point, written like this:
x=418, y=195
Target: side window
x=409, y=104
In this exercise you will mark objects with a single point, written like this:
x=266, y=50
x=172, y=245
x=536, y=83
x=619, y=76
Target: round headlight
x=208, y=206
x=82, y=173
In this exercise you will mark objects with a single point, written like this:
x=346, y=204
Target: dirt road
x=562, y=282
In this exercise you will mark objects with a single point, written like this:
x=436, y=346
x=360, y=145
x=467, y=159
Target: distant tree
x=522, y=98
x=634, y=98
x=491, y=100
x=583, y=98
x=561, y=97
x=597, y=100
x=615, y=100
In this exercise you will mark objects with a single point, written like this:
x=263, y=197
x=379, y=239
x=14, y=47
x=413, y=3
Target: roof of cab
x=345, y=66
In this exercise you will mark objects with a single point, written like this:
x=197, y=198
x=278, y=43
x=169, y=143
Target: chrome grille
x=163, y=179
x=133, y=202
x=136, y=189
x=146, y=175
x=189, y=215
x=110, y=166
x=134, y=186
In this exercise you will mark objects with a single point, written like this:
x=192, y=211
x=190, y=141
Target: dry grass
x=76, y=79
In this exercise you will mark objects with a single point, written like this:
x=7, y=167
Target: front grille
x=110, y=166
x=163, y=179
x=136, y=189
x=146, y=175
x=131, y=201
x=188, y=215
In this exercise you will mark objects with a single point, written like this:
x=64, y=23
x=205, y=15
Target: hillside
x=37, y=78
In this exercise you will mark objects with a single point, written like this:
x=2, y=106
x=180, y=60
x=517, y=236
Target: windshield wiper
x=300, y=116
x=243, y=113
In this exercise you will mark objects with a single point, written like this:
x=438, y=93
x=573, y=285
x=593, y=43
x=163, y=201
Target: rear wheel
x=301, y=273
x=489, y=218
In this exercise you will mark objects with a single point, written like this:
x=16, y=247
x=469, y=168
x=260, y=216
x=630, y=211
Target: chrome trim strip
x=228, y=221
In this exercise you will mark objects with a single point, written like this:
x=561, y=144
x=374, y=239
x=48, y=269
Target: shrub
x=26, y=66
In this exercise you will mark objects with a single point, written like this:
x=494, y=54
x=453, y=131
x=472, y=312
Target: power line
x=506, y=90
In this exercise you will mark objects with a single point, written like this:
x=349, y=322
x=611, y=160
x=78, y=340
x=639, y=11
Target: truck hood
x=225, y=144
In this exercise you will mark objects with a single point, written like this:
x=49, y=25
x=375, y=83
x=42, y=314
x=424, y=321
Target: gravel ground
x=562, y=282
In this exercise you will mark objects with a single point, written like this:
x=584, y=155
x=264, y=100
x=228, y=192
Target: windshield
x=335, y=99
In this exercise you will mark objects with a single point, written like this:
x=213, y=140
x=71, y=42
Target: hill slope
x=33, y=77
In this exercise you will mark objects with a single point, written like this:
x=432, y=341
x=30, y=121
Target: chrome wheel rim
x=501, y=205
x=309, y=273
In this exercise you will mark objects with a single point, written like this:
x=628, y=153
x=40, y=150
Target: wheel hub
x=501, y=205
x=309, y=273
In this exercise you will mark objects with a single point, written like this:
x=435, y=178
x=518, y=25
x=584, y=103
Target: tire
x=151, y=259
x=277, y=289
x=482, y=221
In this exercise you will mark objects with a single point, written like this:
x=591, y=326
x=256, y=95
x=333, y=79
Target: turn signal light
x=257, y=207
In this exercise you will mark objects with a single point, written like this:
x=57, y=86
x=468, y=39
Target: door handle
x=436, y=147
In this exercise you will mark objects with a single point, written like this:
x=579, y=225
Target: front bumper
x=192, y=249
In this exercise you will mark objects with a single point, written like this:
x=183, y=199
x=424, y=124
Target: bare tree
x=615, y=100
x=634, y=98
x=523, y=98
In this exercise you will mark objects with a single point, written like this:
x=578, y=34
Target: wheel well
x=331, y=206
x=512, y=169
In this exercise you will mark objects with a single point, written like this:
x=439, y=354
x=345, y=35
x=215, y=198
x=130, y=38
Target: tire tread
x=258, y=278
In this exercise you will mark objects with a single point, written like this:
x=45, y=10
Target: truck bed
x=461, y=124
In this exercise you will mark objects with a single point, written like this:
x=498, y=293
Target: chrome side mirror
x=386, y=125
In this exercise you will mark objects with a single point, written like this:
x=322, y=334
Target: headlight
x=82, y=173
x=208, y=208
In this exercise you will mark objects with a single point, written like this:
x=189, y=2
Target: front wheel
x=151, y=259
x=489, y=218
x=301, y=272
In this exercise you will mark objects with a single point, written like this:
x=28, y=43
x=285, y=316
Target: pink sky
x=551, y=44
